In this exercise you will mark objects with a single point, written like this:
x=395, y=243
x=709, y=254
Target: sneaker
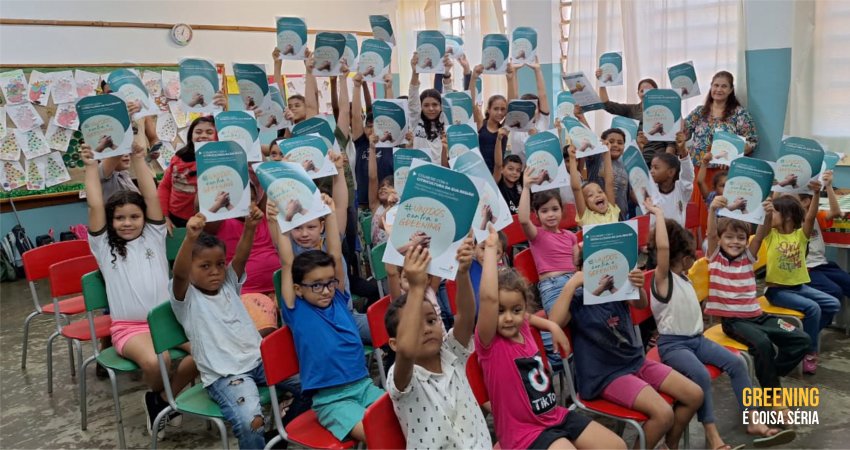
x=154, y=404
x=810, y=363
x=174, y=419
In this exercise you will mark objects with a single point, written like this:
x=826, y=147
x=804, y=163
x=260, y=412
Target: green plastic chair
x=366, y=226
x=94, y=294
x=173, y=243
x=167, y=333
x=379, y=270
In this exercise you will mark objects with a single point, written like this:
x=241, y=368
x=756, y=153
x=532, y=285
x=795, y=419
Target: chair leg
x=50, y=362
x=688, y=435
x=119, y=421
x=223, y=432
x=26, y=338
x=641, y=435
x=379, y=360
x=155, y=425
x=83, y=400
x=71, y=357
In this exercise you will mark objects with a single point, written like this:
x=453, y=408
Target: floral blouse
x=701, y=129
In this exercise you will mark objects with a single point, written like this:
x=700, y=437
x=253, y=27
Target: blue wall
x=39, y=221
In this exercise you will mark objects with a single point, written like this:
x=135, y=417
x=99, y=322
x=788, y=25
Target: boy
x=430, y=367
x=509, y=181
x=615, y=140
x=225, y=344
x=674, y=175
x=327, y=340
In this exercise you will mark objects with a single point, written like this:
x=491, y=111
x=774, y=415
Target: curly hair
x=790, y=208
x=433, y=128
x=681, y=241
x=117, y=244
x=511, y=281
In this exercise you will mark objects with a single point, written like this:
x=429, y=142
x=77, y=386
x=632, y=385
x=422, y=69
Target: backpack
x=14, y=245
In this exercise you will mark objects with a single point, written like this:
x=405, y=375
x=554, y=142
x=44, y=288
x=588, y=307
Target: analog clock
x=181, y=34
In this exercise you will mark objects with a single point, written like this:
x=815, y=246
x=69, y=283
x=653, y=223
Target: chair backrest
x=643, y=229
x=761, y=257
x=381, y=426
x=279, y=358
x=475, y=376
x=173, y=243
x=37, y=261
x=524, y=264
x=451, y=292
x=65, y=276
x=568, y=218
x=366, y=227
x=94, y=291
x=379, y=271
x=692, y=217
x=639, y=315
x=277, y=292
x=698, y=275
x=375, y=315
x=166, y=331
x=514, y=233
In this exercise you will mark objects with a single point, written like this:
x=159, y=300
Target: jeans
x=239, y=399
x=819, y=308
x=760, y=334
x=830, y=279
x=550, y=289
x=445, y=307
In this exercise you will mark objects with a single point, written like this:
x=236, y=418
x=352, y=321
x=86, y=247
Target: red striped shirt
x=732, y=286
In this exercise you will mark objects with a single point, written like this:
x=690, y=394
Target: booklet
x=431, y=46
x=492, y=207
x=253, y=84
x=433, y=212
x=629, y=126
x=311, y=151
x=461, y=139
x=457, y=106
x=830, y=160
x=316, y=125
x=565, y=105
x=198, y=85
x=523, y=45
x=586, y=142
x=494, y=54
x=683, y=76
x=520, y=114
x=296, y=196
x=382, y=29
x=329, y=49
x=662, y=114
x=726, y=146
x=582, y=91
x=14, y=86
x=223, y=188
x=375, y=57
x=270, y=116
x=543, y=153
x=610, y=253
x=291, y=37
x=611, y=64
x=349, y=53
x=390, y=122
x=800, y=160
x=402, y=158
x=127, y=85
x=105, y=125
x=747, y=186
x=240, y=127
x=39, y=87
x=640, y=181
x=454, y=46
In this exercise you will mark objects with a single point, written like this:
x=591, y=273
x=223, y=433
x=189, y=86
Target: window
x=830, y=86
x=451, y=17
x=504, y=6
x=566, y=15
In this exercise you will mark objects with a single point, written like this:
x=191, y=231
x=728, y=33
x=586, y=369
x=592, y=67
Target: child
x=787, y=277
x=674, y=175
x=430, y=365
x=327, y=339
x=274, y=151
x=540, y=121
x=115, y=176
x=615, y=140
x=681, y=344
x=512, y=365
x=509, y=181
x=826, y=276
x=226, y=346
x=732, y=297
x=718, y=180
x=382, y=196
x=551, y=247
x=489, y=124
x=594, y=204
x=127, y=237
x=609, y=363
x=425, y=112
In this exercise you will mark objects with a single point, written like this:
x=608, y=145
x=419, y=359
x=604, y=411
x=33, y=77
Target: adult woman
x=425, y=111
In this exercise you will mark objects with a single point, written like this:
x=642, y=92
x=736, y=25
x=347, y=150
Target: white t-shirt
x=681, y=314
x=816, y=255
x=438, y=410
x=675, y=203
x=224, y=339
x=434, y=148
x=139, y=282
x=516, y=139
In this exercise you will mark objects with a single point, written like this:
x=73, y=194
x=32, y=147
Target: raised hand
x=416, y=262
x=255, y=215
x=464, y=254
x=195, y=225
x=87, y=155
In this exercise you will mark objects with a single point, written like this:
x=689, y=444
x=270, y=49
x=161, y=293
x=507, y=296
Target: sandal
x=778, y=438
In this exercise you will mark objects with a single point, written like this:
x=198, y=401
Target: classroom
x=591, y=224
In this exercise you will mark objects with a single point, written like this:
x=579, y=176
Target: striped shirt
x=732, y=286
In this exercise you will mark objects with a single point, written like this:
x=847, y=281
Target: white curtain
x=482, y=17
x=654, y=35
x=411, y=16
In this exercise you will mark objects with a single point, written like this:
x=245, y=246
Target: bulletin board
x=69, y=191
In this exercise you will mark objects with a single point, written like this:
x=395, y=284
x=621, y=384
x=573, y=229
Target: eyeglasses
x=318, y=288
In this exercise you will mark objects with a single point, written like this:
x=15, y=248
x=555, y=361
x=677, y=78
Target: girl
x=509, y=359
x=610, y=363
x=551, y=247
x=127, y=237
x=491, y=140
x=615, y=140
x=718, y=181
x=425, y=111
x=540, y=121
x=382, y=196
x=674, y=176
x=593, y=203
x=787, y=276
x=678, y=313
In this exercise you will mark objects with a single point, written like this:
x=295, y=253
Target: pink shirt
x=263, y=260
x=521, y=394
x=553, y=252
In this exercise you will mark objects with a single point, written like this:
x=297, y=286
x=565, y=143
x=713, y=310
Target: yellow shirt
x=591, y=217
x=786, y=258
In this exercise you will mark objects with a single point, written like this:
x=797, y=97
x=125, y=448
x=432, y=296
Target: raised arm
x=94, y=191
x=542, y=95
x=278, y=77
x=524, y=209
x=389, y=91
x=498, y=153
x=717, y=204
x=764, y=228
x=367, y=96
x=284, y=251
x=374, y=203
x=147, y=186
x=473, y=93
x=340, y=190
x=575, y=182
x=465, y=316
x=510, y=77
x=662, y=251
x=243, y=248
x=488, y=308
x=812, y=212
x=559, y=339
x=560, y=312
x=334, y=99
x=834, y=207
x=357, y=109
x=332, y=234
x=603, y=91
x=608, y=176
x=414, y=106
x=703, y=169
x=343, y=121
x=183, y=263
x=409, y=330
x=311, y=88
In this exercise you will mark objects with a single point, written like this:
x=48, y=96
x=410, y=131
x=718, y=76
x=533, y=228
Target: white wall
x=75, y=45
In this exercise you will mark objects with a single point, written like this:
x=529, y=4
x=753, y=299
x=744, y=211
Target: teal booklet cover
x=492, y=207
x=240, y=127
x=291, y=37
x=198, y=85
x=683, y=76
x=390, y=122
x=402, y=158
x=800, y=160
x=639, y=180
x=431, y=47
x=610, y=253
x=125, y=83
x=457, y=107
x=350, y=52
x=374, y=63
x=382, y=29
x=319, y=126
x=564, y=105
x=543, y=154
x=311, y=151
x=223, y=189
x=461, y=139
x=520, y=114
x=524, y=45
x=494, y=54
x=105, y=125
x=582, y=91
x=297, y=198
x=747, y=186
x=327, y=54
x=611, y=65
x=629, y=126
x=586, y=142
x=726, y=146
x=454, y=46
x=662, y=114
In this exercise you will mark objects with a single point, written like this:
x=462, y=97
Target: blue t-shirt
x=475, y=276
x=328, y=343
x=384, y=157
x=604, y=344
x=487, y=146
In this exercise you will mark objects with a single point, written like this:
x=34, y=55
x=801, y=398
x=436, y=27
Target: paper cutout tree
x=34, y=178
x=9, y=147
x=54, y=168
x=14, y=176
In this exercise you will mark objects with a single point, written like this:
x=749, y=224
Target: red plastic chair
x=375, y=316
x=692, y=223
x=451, y=291
x=514, y=234
x=643, y=230
x=37, y=263
x=568, y=218
x=281, y=362
x=65, y=280
x=381, y=426
x=524, y=264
